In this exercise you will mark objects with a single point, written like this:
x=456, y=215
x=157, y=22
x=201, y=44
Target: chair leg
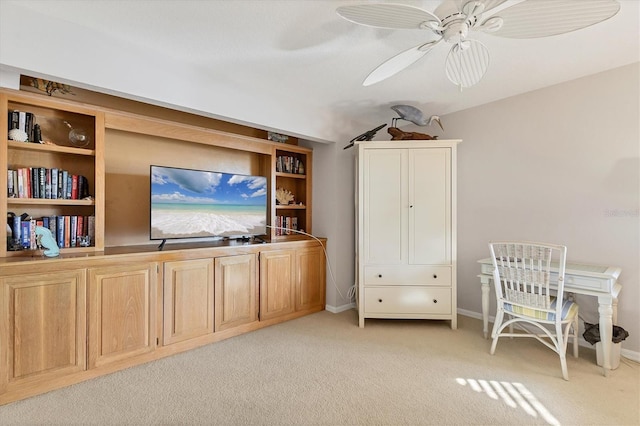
x=563, y=364
x=561, y=348
x=494, y=332
x=575, y=337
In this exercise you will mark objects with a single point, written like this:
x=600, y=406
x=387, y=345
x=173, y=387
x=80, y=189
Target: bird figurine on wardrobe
x=415, y=116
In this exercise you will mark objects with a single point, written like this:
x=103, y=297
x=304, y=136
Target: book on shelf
x=54, y=183
x=24, y=121
x=289, y=164
x=47, y=183
x=10, y=188
x=74, y=187
x=25, y=234
x=286, y=225
x=40, y=182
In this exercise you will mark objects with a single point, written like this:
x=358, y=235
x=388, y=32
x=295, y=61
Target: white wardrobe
x=406, y=230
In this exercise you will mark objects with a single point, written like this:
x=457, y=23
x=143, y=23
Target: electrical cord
x=352, y=289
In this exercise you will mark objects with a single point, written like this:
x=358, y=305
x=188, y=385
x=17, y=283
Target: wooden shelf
x=50, y=148
x=49, y=202
x=291, y=175
x=291, y=207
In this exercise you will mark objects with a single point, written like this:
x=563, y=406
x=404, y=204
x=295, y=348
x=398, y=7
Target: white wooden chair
x=522, y=273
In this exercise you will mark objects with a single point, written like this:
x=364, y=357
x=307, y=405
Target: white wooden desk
x=592, y=280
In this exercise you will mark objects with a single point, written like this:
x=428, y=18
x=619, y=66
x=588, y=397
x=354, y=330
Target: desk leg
x=605, y=309
x=485, y=306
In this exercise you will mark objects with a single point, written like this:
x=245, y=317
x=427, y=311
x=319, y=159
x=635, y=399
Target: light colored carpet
x=322, y=369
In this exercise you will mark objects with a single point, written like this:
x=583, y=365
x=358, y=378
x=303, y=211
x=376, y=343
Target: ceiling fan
x=453, y=20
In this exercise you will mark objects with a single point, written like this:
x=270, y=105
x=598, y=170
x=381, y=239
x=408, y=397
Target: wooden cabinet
x=35, y=167
x=188, y=299
x=292, y=170
x=236, y=291
x=277, y=274
x=406, y=230
x=310, y=280
x=292, y=281
x=122, y=310
x=43, y=332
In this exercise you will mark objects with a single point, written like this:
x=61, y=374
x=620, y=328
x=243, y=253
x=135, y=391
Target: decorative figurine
x=18, y=135
x=46, y=240
x=366, y=136
x=284, y=196
x=414, y=115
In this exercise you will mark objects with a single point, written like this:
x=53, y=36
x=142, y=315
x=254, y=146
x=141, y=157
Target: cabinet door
x=310, y=283
x=43, y=323
x=236, y=291
x=385, y=203
x=277, y=274
x=121, y=312
x=430, y=206
x=188, y=299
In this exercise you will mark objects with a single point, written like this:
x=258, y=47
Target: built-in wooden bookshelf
x=54, y=152
x=292, y=167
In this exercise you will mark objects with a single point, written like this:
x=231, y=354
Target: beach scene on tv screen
x=193, y=203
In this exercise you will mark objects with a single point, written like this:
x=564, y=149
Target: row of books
x=286, y=225
x=24, y=121
x=68, y=231
x=289, y=164
x=39, y=182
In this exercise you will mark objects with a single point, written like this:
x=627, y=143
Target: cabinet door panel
x=44, y=333
x=188, y=299
x=310, y=285
x=385, y=201
x=236, y=288
x=121, y=312
x=277, y=273
x=430, y=214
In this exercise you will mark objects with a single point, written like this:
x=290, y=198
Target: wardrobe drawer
x=407, y=300
x=407, y=275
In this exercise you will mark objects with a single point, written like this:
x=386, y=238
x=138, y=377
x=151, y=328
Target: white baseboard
x=626, y=353
x=338, y=309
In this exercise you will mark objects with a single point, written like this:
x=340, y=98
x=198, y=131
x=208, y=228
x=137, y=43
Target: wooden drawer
x=407, y=300
x=407, y=275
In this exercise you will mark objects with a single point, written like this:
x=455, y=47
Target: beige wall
x=560, y=164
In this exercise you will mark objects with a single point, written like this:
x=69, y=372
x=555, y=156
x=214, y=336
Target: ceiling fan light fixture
x=467, y=62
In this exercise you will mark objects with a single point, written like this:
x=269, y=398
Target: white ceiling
x=297, y=62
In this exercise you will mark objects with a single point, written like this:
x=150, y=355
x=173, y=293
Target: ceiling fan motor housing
x=455, y=32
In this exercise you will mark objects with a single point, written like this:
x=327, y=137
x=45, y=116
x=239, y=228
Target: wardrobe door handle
x=435, y=276
x=380, y=300
x=379, y=275
x=435, y=301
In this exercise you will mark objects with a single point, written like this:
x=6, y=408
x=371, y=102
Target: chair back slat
x=523, y=270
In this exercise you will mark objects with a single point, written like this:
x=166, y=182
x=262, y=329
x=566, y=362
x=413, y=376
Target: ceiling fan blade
x=397, y=63
x=395, y=16
x=544, y=18
x=467, y=62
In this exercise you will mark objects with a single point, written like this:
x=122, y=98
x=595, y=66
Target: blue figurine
x=47, y=241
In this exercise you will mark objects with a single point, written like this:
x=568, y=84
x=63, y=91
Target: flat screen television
x=188, y=203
